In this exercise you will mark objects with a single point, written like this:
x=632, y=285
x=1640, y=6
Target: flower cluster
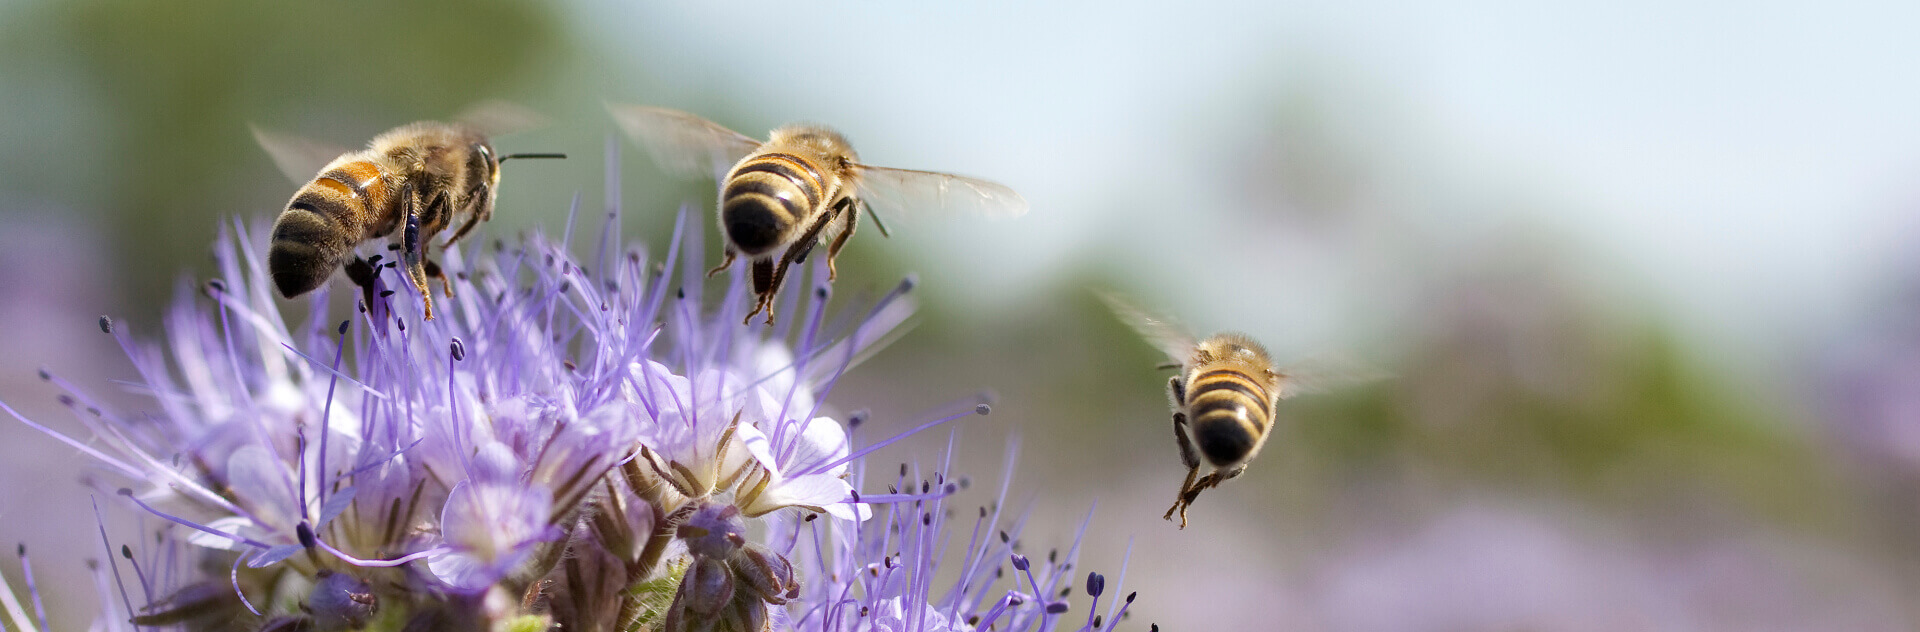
x=592, y=447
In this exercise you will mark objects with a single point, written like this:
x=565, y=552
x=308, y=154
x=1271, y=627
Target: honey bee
x=803, y=186
x=417, y=179
x=1224, y=396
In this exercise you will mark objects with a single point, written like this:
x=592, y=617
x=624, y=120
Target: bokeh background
x=1646, y=274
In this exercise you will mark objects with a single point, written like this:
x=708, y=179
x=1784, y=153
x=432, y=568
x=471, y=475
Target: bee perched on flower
x=567, y=445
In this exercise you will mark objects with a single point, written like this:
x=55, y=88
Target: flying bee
x=803, y=186
x=1224, y=396
x=417, y=179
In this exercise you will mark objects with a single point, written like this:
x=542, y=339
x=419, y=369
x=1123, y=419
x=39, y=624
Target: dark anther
x=973, y=620
x=950, y=488
x=65, y=399
x=1020, y=562
x=126, y=551
x=903, y=469
x=680, y=293
x=549, y=260
x=893, y=489
x=906, y=284
x=1015, y=600
x=1156, y=628
x=856, y=495
x=565, y=286
x=982, y=409
x=106, y=325
x=217, y=285
x=45, y=376
x=1066, y=591
x=965, y=482
x=925, y=487
x=1056, y=607
x=1096, y=584
x=124, y=491
x=810, y=517
x=93, y=411
x=305, y=534
x=1003, y=534
x=22, y=549
x=459, y=350
x=569, y=364
x=983, y=511
x=386, y=293
x=858, y=417
x=926, y=519
x=863, y=611
x=820, y=292
x=1053, y=556
x=1096, y=621
x=1131, y=595
x=343, y=326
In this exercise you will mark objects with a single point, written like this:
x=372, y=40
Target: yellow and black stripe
x=765, y=197
x=1229, y=412
x=322, y=223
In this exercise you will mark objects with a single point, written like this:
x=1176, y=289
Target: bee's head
x=825, y=142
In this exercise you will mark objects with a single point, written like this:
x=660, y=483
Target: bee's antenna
x=513, y=156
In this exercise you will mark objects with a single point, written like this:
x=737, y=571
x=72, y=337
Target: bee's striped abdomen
x=321, y=224
x=765, y=197
x=1229, y=413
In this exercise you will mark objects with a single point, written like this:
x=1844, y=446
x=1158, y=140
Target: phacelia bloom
x=593, y=446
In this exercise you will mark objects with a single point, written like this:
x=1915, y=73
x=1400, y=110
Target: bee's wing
x=1323, y=372
x=498, y=117
x=909, y=192
x=299, y=158
x=681, y=143
x=1165, y=334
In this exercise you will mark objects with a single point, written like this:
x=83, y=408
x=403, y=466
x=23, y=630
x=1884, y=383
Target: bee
x=417, y=180
x=1224, y=396
x=803, y=186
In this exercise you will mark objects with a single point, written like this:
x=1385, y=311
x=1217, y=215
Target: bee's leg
x=1188, y=457
x=724, y=263
x=796, y=251
x=362, y=272
x=434, y=272
x=763, y=288
x=847, y=208
x=1230, y=475
x=876, y=219
x=416, y=253
x=479, y=209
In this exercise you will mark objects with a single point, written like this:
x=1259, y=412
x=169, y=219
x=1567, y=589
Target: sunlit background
x=1646, y=276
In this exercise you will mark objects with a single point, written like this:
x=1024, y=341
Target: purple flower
x=575, y=444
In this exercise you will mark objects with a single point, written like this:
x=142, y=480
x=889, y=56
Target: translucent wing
x=1170, y=337
x=910, y=192
x=1323, y=372
x=681, y=143
x=496, y=117
x=299, y=158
